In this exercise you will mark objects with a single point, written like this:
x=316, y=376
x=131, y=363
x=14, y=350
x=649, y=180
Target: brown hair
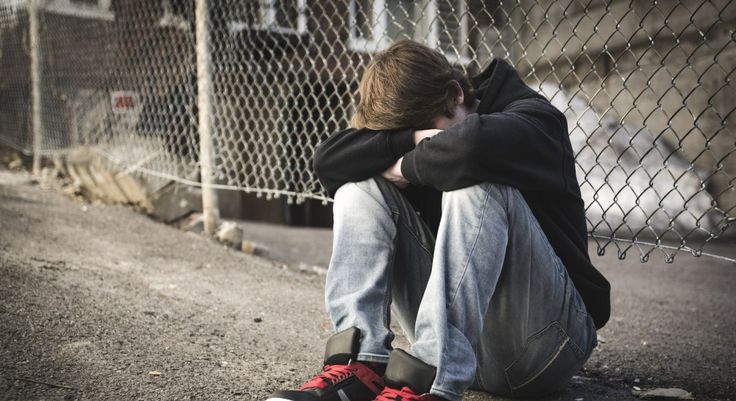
x=408, y=85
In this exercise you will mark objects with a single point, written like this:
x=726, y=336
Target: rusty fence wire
x=647, y=87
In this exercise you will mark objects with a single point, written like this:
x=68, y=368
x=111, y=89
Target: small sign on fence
x=124, y=102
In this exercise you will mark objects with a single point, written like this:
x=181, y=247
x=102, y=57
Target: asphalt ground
x=99, y=302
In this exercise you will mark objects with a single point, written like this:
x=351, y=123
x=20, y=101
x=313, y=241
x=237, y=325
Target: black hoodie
x=517, y=138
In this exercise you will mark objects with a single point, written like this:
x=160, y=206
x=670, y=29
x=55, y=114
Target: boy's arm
x=524, y=146
x=393, y=173
x=354, y=155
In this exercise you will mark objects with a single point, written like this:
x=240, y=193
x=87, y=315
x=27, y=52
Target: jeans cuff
x=448, y=395
x=367, y=357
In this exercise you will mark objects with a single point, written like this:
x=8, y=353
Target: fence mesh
x=646, y=87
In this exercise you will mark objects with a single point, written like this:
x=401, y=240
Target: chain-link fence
x=646, y=87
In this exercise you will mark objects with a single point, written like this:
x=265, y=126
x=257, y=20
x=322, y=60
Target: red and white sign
x=124, y=101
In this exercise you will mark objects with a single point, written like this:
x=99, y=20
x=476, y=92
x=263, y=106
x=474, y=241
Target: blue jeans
x=488, y=303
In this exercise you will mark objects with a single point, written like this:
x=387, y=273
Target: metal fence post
x=36, y=123
x=204, y=103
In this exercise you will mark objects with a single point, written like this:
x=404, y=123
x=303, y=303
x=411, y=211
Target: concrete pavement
x=99, y=302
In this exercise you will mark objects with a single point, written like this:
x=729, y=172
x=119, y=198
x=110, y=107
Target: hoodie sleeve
x=354, y=155
x=524, y=146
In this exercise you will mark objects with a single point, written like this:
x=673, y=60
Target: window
x=440, y=24
x=177, y=14
x=280, y=16
x=97, y=9
x=10, y=13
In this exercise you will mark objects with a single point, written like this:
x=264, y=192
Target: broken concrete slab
x=666, y=393
x=230, y=234
x=10, y=178
x=175, y=202
x=101, y=180
x=253, y=248
x=193, y=223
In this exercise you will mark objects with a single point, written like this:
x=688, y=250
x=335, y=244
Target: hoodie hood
x=499, y=85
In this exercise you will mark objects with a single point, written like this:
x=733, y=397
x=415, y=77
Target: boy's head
x=410, y=85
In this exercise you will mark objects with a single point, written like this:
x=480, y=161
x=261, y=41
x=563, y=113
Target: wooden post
x=36, y=122
x=210, y=209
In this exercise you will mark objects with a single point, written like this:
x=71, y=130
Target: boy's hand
x=394, y=175
x=425, y=133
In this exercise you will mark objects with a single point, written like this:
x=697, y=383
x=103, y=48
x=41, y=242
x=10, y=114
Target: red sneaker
x=407, y=379
x=405, y=394
x=341, y=379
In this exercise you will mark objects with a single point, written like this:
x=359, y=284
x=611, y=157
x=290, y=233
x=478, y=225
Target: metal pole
x=36, y=123
x=204, y=101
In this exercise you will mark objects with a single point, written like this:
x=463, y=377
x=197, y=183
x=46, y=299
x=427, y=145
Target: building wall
x=14, y=80
x=278, y=95
x=672, y=63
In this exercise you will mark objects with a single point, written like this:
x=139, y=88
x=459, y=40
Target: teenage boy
x=455, y=201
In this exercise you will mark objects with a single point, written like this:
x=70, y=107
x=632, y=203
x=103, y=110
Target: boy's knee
x=362, y=197
x=355, y=191
x=477, y=194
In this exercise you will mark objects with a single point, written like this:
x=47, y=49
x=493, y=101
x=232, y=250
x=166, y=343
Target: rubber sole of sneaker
x=293, y=396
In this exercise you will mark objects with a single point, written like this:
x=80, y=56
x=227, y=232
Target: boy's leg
x=377, y=237
x=497, y=290
x=531, y=336
x=375, y=231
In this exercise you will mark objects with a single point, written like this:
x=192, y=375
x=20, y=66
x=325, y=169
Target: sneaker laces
x=330, y=374
x=392, y=394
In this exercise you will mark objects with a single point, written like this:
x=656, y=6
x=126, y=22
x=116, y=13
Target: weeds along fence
x=647, y=87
